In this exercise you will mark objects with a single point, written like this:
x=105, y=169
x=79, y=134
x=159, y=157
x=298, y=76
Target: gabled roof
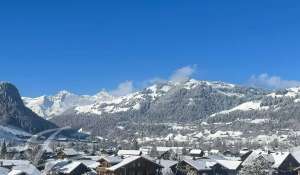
x=229, y=164
x=70, y=152
x=199, y=164
x=128, y=161
x=112, y=159
x=90, y=163
x=167, y=164
x=55, y=165
x=256, y=154
x=67, y=169
x=275, y=158
x=279, y=158
x=28, y=169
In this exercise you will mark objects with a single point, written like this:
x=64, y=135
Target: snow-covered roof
x=90, y=163
x=15, y=172
x=177, y=150
x=163, y=149
x=279, y=157
x=275, y=158
x=129, y=152
x=70, y=167
x=54, y=165
x=127, y=161
x=27, y=169
x=123, y=163
x=167, y=165
x=70, y=152
x=199, y=164
x=14, y=162
x=196, y=151
x=229, y=164
x=112, y=159
x=254, y=155
x=296, y=153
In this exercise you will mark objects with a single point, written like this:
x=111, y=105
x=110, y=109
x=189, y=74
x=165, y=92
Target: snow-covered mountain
x=188, y=102
x=105, y=103
x=48, y=106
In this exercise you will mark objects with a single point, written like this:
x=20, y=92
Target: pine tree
x=259, y=166
x=3, y=150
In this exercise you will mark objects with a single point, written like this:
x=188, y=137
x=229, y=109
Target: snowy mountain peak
x=104, y=102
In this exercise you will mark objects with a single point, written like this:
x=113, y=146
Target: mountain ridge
x=13, y=112
x=48, y=106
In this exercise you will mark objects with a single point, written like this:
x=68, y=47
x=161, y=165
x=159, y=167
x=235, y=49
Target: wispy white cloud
x=180, y=75
x=123, y=88
x=183, y=74
x=271, y=82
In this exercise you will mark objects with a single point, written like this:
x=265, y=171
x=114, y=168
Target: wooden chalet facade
x=107, y=162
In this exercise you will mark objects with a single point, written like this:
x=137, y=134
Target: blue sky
x=84, y=46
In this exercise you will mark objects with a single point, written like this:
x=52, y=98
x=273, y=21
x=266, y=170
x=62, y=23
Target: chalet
x=92, y=164
x=134, y=165
x=107, y=162
x=146, y=150
x=66, y=167
x=177, y=150
x=229, y=153
x=168, y=153
x=190, y=166
x=67, y=153
x=24, y=170
x=228, y=167
x=74, y=168
x=11, y=163
x=283, y=163
x=206, y=166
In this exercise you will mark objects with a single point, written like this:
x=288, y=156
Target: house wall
x=288, y=166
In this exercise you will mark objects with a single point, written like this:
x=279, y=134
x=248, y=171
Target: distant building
x=127, y=153
x=196, y=153
x=67, y=153
x=66, y=167
x=206, y=167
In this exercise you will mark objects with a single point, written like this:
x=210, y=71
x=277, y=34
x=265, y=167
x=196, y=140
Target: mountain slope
x=199, y=96
x=189, y=101
x=14, y=113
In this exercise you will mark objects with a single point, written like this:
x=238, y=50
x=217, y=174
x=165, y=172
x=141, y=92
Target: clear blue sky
x=84, y=46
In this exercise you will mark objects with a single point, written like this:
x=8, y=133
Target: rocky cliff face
x=13, y=112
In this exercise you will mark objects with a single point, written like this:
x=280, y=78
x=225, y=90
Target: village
x=66, y=157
